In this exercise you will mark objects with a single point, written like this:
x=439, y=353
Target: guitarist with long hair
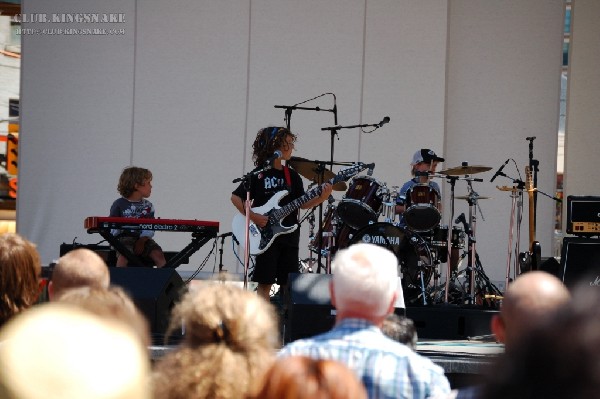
x=281, y=257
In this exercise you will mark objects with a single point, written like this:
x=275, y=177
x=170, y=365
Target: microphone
x=276, y=155
x=371, y=167
x=386, y=119
x=335, y=119
x=530, y=138
x=499, y=170
x=460, y=218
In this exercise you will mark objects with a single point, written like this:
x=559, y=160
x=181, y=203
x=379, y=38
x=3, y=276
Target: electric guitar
x=531, y=260
x=261, y=238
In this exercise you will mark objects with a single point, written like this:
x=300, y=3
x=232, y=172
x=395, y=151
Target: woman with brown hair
x=20, y=271
x=230, y=340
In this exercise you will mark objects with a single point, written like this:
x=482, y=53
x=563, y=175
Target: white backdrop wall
x=504, y=65
x=583, y=119
x=184, y=91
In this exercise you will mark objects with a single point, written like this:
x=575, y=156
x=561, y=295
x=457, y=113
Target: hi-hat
x=465, y=170
x=315, y=171
x=468, y=197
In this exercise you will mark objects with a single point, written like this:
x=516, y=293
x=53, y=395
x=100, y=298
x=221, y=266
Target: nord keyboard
x=96, y=223
x=202, y=232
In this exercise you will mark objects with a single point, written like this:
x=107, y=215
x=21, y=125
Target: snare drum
x=422, y=208
x=439, y=243
x=362, y=202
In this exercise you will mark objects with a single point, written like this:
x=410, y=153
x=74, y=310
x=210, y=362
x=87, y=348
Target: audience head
x=364, y=282
x=230, y=339
x=20, y=271
x=111, y=303
x=56, y=350
x=300, y=377
x=559, y=358
x=400, y=329
x=78, y=268
x=530, y=298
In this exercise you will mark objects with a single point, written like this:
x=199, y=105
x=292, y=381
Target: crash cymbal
x=466, y=197
x=315, y=171
x=465, y=170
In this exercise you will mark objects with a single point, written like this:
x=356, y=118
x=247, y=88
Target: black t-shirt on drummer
x=264, y=185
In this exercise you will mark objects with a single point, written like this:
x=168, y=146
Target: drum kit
x=367, y=213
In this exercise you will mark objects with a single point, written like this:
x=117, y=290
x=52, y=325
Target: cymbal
x=466, y=197
x=314, y=172
x=465, y=170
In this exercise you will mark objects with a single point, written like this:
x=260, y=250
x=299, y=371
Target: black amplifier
x=583, y=215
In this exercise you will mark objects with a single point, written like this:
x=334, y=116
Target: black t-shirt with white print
x=264, y=185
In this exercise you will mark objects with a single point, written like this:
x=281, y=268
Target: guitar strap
x=288, y=180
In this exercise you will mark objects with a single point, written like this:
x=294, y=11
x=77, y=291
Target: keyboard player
x=135, y=186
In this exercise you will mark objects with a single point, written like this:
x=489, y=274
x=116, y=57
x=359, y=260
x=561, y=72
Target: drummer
x=424, y=163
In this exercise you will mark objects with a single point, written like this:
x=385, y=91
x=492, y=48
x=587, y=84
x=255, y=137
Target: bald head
x=78, y=268
x=529, y=299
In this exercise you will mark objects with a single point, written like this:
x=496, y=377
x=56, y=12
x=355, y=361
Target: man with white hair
x=364, y=288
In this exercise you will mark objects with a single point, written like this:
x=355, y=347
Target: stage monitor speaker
x=154, y=291
x=580, y=260
x=108, y=255
x=309, y=306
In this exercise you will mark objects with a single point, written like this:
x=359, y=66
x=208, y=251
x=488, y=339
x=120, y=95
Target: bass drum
x=414, y=256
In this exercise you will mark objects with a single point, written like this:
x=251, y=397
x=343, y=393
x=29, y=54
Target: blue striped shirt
x=388, y=369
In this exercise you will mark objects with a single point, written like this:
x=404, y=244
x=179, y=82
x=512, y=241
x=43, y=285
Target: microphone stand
x=290, y=108
x=247, y=205
x=334, y=129
x=534, y=166
x=288, y=119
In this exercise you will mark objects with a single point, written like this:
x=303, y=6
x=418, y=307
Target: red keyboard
x=97, y=223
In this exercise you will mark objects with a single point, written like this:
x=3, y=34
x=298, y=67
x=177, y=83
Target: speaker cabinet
x=309, y=306
x=580, y=260
x=450, y=322
x=154, y=291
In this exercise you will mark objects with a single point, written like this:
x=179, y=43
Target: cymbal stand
x=452, y=180
x=472, y=262
x=320, y=180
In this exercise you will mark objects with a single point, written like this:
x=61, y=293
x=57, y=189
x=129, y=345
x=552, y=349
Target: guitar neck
x=530, y=190
x=285, y=210
x=298, y=202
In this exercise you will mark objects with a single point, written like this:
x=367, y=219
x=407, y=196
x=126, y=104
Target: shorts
x=274, y=265
x=149, y=246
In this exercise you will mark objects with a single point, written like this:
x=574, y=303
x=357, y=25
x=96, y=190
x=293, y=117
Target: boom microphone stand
x=288, y=119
